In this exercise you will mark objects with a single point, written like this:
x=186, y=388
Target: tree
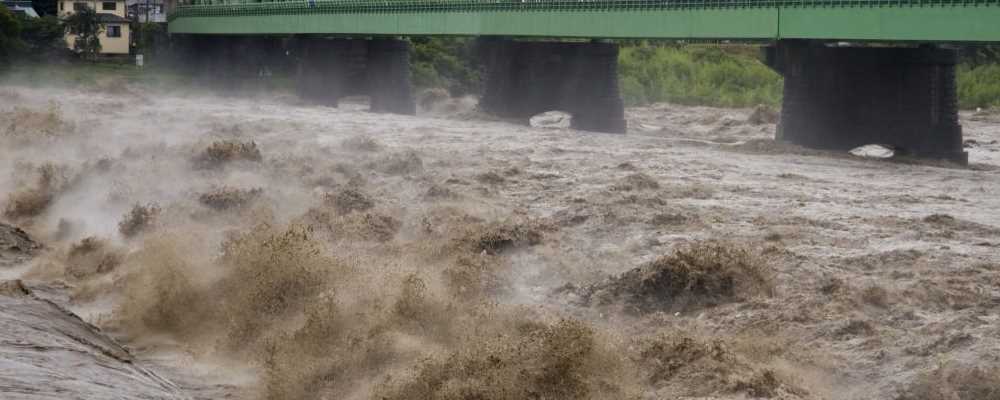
x=85, y=25
x=151, y=38
x=10, y=36
x=43, y=38
x=976, y=54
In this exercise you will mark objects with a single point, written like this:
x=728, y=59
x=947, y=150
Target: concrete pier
x=527, y=78
x=332, y=68
x=840, y=98
x=389, y=76
x=229, y=63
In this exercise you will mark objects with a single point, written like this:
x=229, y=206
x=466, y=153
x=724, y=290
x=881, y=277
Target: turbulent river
x=181, y=245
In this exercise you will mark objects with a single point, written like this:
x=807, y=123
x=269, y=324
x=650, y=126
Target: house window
x=62, y=6
x=114, y=31
x=109, y=6
x=79, y=6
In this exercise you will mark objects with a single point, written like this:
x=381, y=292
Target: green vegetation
x=979, y=86
x=10, y=33
x=85, y=24
x=448, y=63
x=43, y=38
x=101, y=76
x=733, y=76
x=979, y=77
x=29, y=39
x=724, y=76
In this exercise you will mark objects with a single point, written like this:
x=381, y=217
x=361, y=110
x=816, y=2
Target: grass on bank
x=734, y=76
x=711, y=75
x=979, y=86
x=85, y=74
x=113, y=76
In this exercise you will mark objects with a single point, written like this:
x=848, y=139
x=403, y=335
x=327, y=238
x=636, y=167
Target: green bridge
x=868, y=20
x=856, y=71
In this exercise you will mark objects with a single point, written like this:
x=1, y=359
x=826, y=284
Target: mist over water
x=265, y=248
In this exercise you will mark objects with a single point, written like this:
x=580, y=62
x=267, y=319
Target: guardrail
x=215, y=8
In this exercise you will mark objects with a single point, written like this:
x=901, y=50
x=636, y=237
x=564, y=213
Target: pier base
x=527, y=78
x=330, y=69
x=840, y=98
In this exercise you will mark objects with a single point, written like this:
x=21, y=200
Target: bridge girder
x=863, y=20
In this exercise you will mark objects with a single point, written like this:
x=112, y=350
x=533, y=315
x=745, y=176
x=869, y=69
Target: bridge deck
x=867, y=20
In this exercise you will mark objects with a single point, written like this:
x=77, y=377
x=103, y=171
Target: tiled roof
x=110, y=18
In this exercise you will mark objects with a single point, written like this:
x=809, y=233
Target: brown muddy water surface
x=187, y=246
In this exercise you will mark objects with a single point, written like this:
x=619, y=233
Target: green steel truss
x=868, y=20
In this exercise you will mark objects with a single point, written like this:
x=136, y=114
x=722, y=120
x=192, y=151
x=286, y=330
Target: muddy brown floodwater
x=180, y=245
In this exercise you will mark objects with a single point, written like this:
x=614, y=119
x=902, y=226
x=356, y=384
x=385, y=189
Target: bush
x=85, y=25
x=10, y=31
x=697, y=75
x=43, y=38
x=445, y=62
x=979, y=86
x=732, y=76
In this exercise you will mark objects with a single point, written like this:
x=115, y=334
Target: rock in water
x=47, y=352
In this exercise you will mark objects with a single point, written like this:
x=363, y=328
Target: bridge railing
x=199, y=8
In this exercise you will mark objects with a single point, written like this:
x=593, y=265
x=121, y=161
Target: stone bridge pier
x=332, y=68
x=326, y=69
x=840, y=98
x=229, y=62
x=527, y=78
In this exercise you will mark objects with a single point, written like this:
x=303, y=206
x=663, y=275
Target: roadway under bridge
x=856, y=72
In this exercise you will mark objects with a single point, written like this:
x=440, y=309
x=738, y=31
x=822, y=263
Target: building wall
x=66, y=7
x=109, y=45
x=118, y=45
x=137, y=10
